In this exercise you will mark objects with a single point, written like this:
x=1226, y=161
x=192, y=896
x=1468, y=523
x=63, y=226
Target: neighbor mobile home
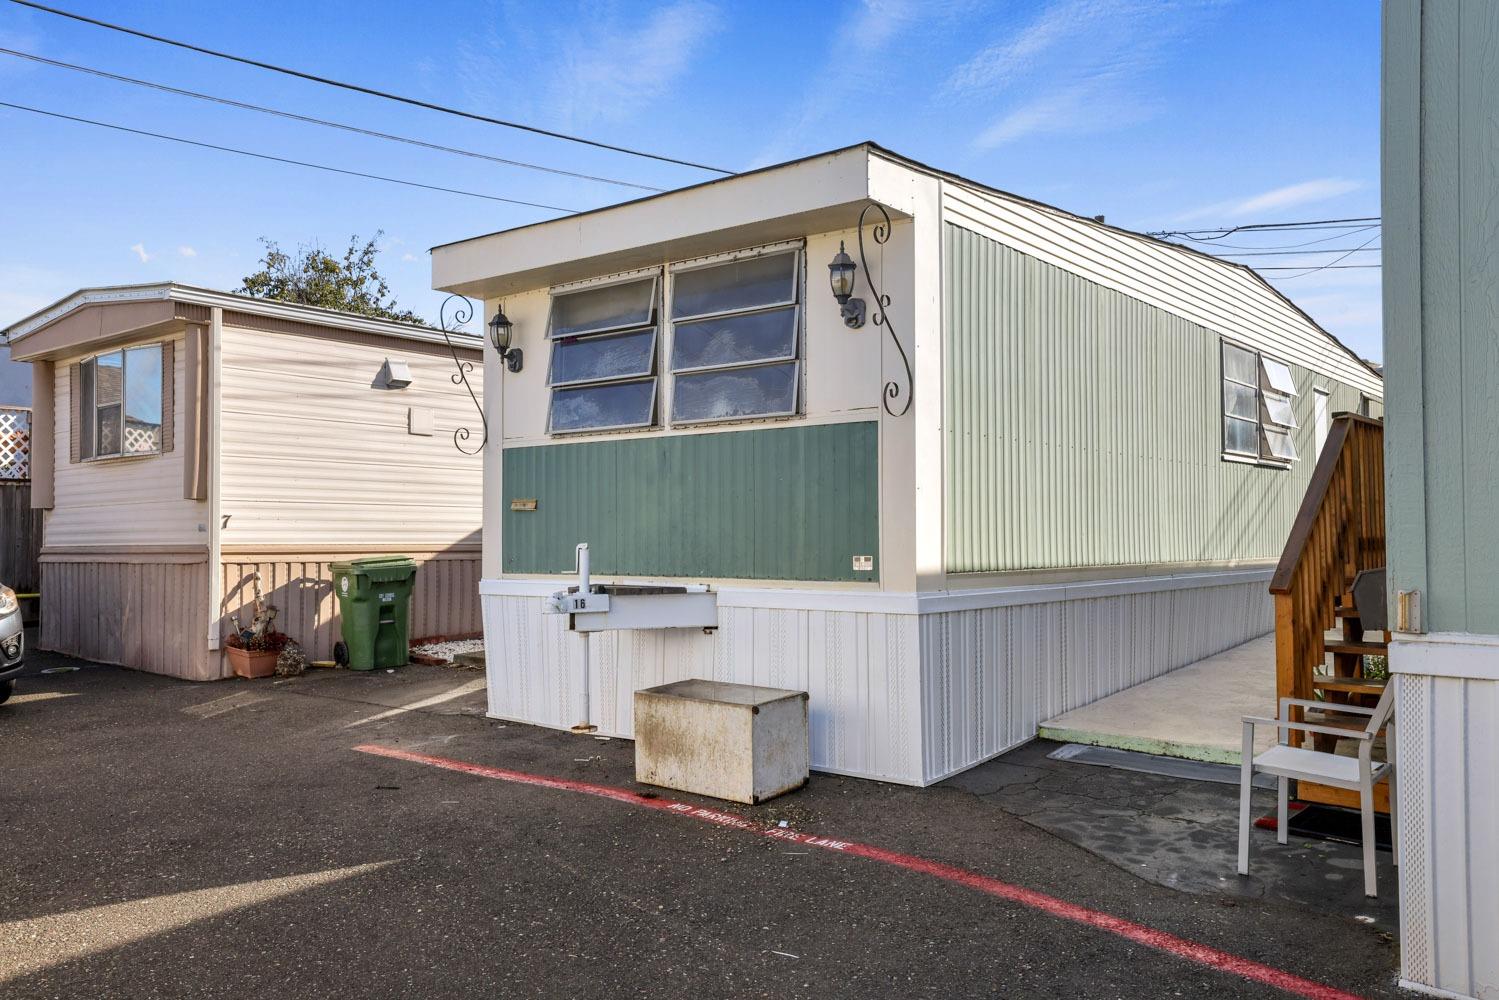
x=197, y=438
x=1031, y=461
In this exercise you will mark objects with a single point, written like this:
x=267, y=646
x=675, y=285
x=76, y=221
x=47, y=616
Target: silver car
x=12, y=642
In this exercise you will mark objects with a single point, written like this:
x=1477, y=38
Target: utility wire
x=372, y=92
x=282, y=159
x=1324, y=267
x=1296, y=253
x=319, y=121
x=1335, y=263
x=1203, y=234
x=1284, y=246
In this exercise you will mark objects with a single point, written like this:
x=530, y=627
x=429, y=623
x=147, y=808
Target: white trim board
x=236, y=303
x=1446, y=654
x=878, y=602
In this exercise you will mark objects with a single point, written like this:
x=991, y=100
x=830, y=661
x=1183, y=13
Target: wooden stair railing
x=1338, y=533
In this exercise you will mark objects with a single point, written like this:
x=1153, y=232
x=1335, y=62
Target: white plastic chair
x=1287, y=761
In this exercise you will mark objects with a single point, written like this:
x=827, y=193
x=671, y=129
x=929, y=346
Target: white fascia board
x=87, y=297
x=813, y=195
x=236, y=303
x=322, y=317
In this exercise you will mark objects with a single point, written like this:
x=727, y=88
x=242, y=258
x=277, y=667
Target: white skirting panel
x=991, y=675
x=1447, y=756
x=859, y=669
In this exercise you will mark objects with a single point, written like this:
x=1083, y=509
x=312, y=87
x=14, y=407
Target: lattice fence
x=15, y=443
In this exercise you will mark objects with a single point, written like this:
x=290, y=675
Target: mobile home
x=1031, y=460
x=185, y=440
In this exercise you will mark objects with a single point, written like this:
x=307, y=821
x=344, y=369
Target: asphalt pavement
x=165, y=839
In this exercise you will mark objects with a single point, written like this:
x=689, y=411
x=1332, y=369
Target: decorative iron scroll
x=880, y=232
x=461, y=315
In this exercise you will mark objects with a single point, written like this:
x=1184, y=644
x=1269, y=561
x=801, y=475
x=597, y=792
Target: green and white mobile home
x=1056, y=459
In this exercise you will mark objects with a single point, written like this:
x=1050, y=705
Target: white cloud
x=1079, y=67
x=186, y=251
x=1276, y=199
x=139, y=250
x=408, y=257
x=611, y=69
x=854, y=53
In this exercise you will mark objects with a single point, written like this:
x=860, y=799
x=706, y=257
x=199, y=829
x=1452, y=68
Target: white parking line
x=437, y=699
x=228, y=703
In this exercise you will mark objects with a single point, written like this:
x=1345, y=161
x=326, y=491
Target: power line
x=1296, y=253
x=1336, y=262
x=320, y=121
x=1200, y=234
x=370, y=91
x=1324, y=267
x=1286, y=246
x=282, y=159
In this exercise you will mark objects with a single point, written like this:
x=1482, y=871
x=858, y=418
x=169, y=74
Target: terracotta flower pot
x=252, y=663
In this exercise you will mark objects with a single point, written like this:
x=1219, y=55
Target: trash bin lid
x=383, y=569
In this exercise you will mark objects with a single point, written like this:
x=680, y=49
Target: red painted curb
x=1159, y=940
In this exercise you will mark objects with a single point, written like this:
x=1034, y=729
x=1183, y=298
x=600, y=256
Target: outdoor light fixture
x=841, y=277
x=500, y=329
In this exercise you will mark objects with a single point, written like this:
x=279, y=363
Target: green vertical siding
x=1084, y=427
x=1441, y=206
x=783, y=503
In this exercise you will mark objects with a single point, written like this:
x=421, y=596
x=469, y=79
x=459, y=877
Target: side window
x=603, y=363
x=1259, y=418
x=736, y=338
x=119, y=405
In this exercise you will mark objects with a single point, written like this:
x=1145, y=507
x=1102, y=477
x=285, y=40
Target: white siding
x=1220, y=297
x=126, y=501
x=991, y=676
x=1447, y=759
x=314, y=456
x=859, y=669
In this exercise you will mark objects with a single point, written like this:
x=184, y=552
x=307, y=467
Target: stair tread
x=1352, y=685
x=1362, y=647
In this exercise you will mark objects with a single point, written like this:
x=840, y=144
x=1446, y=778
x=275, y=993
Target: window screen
x=603, y=364
x=735, y=338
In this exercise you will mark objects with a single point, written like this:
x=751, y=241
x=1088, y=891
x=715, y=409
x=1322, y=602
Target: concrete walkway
x=1194, y=712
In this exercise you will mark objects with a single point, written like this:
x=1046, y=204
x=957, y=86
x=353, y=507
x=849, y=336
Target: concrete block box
x=729, y=741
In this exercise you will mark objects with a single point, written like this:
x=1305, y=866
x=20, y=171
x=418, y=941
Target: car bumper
x=12, y=645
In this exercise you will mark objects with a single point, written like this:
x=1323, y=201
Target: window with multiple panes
x=603, y=364
x=119, y=406
x=1259, y=394
x=735, y=326
x=734, y=354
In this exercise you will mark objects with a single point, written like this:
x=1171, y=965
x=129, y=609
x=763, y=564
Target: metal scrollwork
x=880, y=232
x=462, y=313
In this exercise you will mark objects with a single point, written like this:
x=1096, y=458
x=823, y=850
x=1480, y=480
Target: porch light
x=500, y=331
x=841, y=277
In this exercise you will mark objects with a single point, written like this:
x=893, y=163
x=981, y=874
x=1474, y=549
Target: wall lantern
x=500, y=330
x=841, y=277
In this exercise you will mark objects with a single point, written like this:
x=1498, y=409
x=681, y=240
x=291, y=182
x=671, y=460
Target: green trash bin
x=374, y=601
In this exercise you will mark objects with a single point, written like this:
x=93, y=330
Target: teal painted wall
x=1441, y=294
x=1084, y=427
x=783, y=503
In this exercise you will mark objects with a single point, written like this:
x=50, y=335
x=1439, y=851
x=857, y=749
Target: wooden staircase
x=1338, y=533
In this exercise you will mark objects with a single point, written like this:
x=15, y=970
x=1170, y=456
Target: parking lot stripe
x=1159, y=940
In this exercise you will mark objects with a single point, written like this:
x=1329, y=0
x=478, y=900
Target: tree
x=314, y=277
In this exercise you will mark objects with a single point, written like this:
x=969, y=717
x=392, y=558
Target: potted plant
x=253, y=651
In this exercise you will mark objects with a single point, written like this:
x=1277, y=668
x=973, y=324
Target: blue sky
x=1158, y=113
